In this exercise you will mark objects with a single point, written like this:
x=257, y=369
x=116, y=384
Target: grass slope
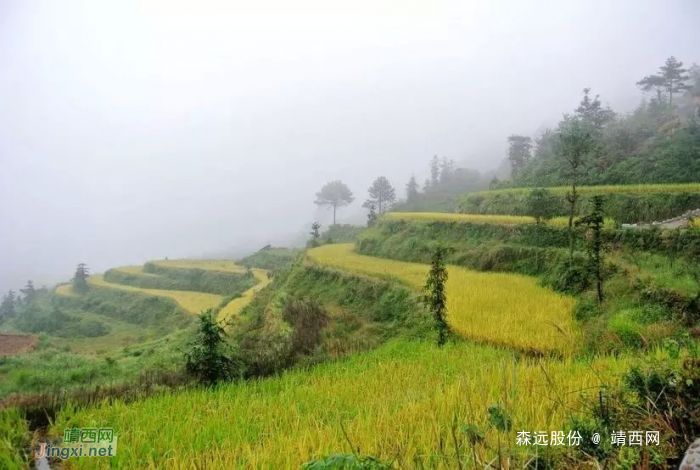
x=496, y=308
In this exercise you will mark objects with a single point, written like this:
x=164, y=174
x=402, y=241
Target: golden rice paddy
x=193, y=302
x=495, y=308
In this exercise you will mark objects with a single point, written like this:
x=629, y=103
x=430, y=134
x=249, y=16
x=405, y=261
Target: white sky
x=135, y=129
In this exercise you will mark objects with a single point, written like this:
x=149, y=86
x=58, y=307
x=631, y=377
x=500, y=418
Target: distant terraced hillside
x=169, y=278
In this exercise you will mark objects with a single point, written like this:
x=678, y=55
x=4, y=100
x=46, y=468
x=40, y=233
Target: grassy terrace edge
x=603, y=189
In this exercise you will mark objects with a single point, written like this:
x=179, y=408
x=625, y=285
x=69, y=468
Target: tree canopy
x=334, y=194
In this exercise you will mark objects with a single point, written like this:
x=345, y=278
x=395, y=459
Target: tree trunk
x=572, y=211
x=334, y=207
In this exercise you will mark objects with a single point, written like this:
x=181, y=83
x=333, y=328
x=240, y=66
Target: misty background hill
x=133, y=130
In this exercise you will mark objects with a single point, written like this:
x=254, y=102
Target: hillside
x=335, y=345
x=410, y=393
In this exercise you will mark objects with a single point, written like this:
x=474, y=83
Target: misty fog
x=134, y=130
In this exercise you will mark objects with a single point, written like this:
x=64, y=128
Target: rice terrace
x=350, y=236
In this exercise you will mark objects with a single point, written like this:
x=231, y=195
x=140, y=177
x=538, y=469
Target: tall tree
x=575, y=145
x=519, y=153
x=674, y=76
x=447, y=170
x=657, y=83
x=434, y=171
x=381, y=194
x=592, y=111
x=334, y=194
x=594, y=221
x=80, y=284
x=7, y=307
x=29, y=292
x=412, y=189
x=435, y=297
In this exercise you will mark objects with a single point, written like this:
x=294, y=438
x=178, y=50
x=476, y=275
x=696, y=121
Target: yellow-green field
x=496, y=308
x=193, y=302
x=236, y=305
x=607, y=189
x=398, y=401
x=211, y=265
x=134, y=270
x=482, y=218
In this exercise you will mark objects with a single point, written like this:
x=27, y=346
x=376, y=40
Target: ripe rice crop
x=236, y=305
x=482, y=218
x=496, y=308
x=395, y=402
x=65, y=290
x=193, y=302
x=207, y=264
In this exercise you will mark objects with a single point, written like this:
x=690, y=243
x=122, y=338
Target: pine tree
x=7, y=307
x=412, y=189
x=29, y=292
x=519, y=153
x=435, y=297
x=206, y=360
x=80, y=284
x=315, y=234
x=434, y=172
x=674, y=76
x=334, y=194
x=371, y=216
x=381, y=194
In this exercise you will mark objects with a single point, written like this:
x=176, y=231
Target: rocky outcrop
x=681, y=221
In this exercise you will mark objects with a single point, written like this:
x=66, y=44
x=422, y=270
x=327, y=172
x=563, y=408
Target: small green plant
x=315, y=235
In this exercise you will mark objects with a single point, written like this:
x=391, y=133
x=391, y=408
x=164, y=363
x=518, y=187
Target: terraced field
x=191, y=301
x=236, y=305
x=395, y=402
x=494, y=308
x=481, y=218
x=210, y=265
